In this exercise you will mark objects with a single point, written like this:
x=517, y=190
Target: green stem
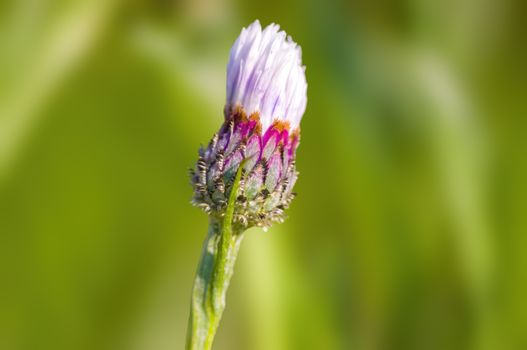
x=215, y=270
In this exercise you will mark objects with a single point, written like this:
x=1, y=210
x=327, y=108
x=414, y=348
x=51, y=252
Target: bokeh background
x=410, y=227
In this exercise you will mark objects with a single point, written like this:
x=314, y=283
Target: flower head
x=266, y=99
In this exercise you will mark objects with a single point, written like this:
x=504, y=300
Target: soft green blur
x=410, y=227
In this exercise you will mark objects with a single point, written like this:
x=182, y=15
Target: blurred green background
x=410, y=227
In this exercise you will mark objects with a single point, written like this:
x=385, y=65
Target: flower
x=266, y=99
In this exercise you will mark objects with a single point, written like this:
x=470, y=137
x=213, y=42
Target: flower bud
x=266, y=99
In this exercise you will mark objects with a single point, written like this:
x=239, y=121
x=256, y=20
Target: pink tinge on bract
x=241, y=138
